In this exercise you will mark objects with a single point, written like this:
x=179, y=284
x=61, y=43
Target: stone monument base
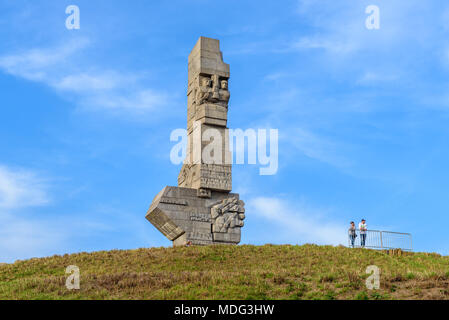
x=197, y=216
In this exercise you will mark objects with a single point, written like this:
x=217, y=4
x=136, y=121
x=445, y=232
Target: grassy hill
x=229, y=272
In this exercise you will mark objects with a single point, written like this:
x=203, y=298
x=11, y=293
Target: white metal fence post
x=381, y=243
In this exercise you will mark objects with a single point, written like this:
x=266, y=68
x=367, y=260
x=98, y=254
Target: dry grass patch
x=229, y=272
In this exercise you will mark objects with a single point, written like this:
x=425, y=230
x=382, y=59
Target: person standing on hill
x=352, y=233
x=363, y=228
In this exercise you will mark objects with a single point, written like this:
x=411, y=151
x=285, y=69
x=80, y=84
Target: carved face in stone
x=224, y=84
x=206, y=82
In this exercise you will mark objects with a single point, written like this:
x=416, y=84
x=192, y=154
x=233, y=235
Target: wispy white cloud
x=19, y=236
x=370, y=77
x=276, y=76
x=41, y=64
x=316, y=147
x=300, y=222
x=139, y=101
x=21, y=188
x=89, y=82
x=327, y=44
x=88, y=85
x=24, y=233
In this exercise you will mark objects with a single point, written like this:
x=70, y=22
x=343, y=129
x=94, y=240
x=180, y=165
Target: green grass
x=230, y=272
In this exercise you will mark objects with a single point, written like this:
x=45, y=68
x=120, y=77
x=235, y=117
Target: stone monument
x=201, y=210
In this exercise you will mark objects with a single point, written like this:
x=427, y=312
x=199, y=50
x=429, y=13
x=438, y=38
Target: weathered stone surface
x=182, y=216
x=207, y=103
x=201, y=210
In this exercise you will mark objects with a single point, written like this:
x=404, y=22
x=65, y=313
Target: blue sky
x=86, y=117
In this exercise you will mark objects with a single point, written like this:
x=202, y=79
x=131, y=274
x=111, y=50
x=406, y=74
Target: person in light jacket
x=352, y=233
x=363, y=228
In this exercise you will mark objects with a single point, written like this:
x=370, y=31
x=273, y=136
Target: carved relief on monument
x=188, y=176
x=203, y=92
x=204, y=193
x=227, y=214
x=224, y=94
x=206, y=176
x=185, y=176
x=210, y=88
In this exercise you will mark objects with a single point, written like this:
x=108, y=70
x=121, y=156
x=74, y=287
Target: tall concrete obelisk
x=201, y=210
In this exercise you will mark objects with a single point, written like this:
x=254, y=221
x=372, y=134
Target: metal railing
x=383, y=240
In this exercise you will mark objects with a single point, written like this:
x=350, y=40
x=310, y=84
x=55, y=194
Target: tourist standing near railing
x=352, y=233
x=363, y=228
